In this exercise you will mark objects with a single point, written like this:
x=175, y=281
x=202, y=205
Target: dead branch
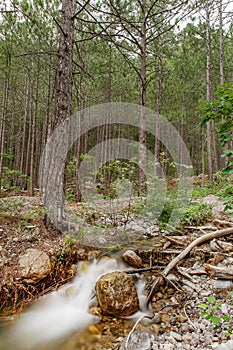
x=222, y=222
x=199, y=228
x=185, y=273
x=144, y=269
x=219, y=272
x=183, y=254
x=175, y=240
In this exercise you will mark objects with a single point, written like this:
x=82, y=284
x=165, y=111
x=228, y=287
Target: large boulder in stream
x=34, y=265
x=117, y=295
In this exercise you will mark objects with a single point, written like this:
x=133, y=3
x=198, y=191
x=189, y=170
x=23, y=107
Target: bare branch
x=81, y=10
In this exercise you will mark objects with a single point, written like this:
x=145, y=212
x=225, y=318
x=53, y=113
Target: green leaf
x=230, y=292
x=226, y=318
x=215, y=319
x=211, y=299
x=203, y=306
x=204, y=313
x=218, y=304
x=215, y=328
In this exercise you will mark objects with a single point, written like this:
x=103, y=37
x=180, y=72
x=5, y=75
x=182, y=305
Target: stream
x=60, y=319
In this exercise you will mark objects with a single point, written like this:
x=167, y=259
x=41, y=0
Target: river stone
x=138, y=341
x=34, y=265
x=116, y=294
x=131, y=258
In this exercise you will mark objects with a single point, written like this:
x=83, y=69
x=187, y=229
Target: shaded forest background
x=167, y=55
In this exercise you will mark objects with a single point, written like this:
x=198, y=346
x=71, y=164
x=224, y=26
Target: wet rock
x=138, y=341
x=116, y=294
x=34, y=265
x=131, y=258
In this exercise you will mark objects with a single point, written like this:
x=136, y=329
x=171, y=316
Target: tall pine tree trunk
x=208, y=91
x=3, y=120
x=4, y=112
x=142, y=120
x=62, y=110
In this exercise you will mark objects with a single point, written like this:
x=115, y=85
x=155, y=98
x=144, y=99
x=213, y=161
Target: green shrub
x=212, y=312
x=196, y=214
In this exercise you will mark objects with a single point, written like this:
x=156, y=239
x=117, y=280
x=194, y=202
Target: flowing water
x=52, y=320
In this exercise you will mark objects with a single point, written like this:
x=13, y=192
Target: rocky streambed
x=173, y=321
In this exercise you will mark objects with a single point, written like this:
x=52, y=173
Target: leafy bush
x=212, y=312
x=196, y=214
x=221, y=111
x=13, y=179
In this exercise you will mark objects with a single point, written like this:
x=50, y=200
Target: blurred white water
x=59, y=313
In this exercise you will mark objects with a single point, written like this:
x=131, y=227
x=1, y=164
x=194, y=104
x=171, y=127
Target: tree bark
x=221, y=47
x=3, y=121
x=159, y=110
x=142, y=120
x=208, y=91
x=62, y=111
x=64, y=74
x=32, y=156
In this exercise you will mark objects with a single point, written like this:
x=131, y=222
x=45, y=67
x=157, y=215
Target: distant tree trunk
x=3, y=119
x=29, y=136
x=80, y=102
x=143, y=85
x=208, y=91
x=26, y=105
x=33, y=126
x=221, y=47
x=159, y=110
x=221, y=61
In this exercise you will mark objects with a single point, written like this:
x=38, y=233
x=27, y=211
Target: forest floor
x=22, y=227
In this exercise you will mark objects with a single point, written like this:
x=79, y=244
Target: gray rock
x=176, y=336
x=117, y=295
x=222, y=284
x=225, y=346
x=138, y=341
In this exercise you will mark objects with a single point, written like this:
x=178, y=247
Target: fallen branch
x=175, y=240
x=183, y=254
x=222, y=222
x=143, y=269
x=225, y=273
x=201, y=228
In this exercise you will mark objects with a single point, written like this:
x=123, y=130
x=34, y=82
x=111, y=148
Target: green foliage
x=210, y=188
x=10, y=177
x=227, y=194
x=68, y=243
x=35, y=213
x=196, y=214
x=227, y=191
x=221, y=111
x=167, y=210
x=212, y=312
